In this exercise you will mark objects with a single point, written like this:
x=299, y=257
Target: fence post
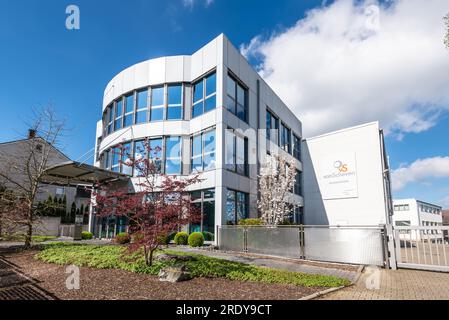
x=301, y=242
x=245, y=239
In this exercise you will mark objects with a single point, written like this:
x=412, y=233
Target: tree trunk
x=29, y=225
x=150, y=258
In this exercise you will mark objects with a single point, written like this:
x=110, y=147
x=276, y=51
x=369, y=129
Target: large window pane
x=142, y=99
x=240, y=95
x=211, y=84
x=174, y=113
x=241, y=206
x=157, y=114
x=230, y=150
x=129, y=103
x=198, y=91
x=197, y=110
x=173, y=155
x=141, y=116
x=156, y=153
x=128, y=120
x=230, y=208
x=240, y=155
x=210, y=103
x=140, y=153
x=174, y=95
x=209, y=150
x=209, y=216
x=197, y=151
x=231, y=87
x=119, y=108
x=157, y=96
x=126, y=161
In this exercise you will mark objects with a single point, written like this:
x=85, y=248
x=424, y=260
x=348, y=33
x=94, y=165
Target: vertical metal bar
x=417, y=239
x=430, y=248
x=423, y=246
x=405, y=246
x=437, y=245
x=397, y=237
x=444, y=250
x=411, y=246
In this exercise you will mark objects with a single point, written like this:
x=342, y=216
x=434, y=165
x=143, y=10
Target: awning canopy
x=75, y=173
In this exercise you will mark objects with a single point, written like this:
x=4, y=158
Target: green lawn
x=21, y=238
x=118, y=257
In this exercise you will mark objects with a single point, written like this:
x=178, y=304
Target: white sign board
x=337, y=176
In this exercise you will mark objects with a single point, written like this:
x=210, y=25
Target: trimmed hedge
x=250, y=222
x=86, y=235
x=208, y=236
x=196, y=239
x=122, y=238
x=181, y=238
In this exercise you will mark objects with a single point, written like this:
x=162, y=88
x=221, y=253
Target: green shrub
x=208, y=236
x=250, y=222
x=181, y=238
x=196, y=239
x=122, y=238
x=86, y=235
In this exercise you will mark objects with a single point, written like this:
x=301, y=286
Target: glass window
x=129, y=107
x=142, y=106
x=296, y=147
x=174, y=111
x=155, y=146
x=127, y=167
x=197, y=154
x=157, y=104
x=173, y=155
x=118, y=114
x=204, y=95
x=237, y=99
x=115, y=159
x=209, y=150
x=230, y=150
x=236, y=207
x=236, y=153
x=140, y=153
x=286, y=139
x=110, y=117
x=297, y=188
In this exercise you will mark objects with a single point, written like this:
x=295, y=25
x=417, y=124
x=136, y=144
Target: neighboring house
x=446, y=217
x=209, y=112
x=14, y=153
x=412, y=212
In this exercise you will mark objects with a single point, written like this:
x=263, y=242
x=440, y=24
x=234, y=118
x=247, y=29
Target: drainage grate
x=22, y=293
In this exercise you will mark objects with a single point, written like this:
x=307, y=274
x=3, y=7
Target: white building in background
x=412, y=212
x=208, y=112
x=346, y=178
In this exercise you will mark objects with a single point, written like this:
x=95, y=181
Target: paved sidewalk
x=400, y=284
x=277, y=263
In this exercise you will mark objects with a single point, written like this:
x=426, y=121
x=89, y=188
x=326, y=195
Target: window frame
x=236, y=205
x=204, y=96
x=202, y=135
x=235, y=165
x=238, y=83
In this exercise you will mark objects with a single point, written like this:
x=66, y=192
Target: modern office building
x=346, y=178
x=209, y=112
x=412, y=212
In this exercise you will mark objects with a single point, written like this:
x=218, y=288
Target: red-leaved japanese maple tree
x=155, y=206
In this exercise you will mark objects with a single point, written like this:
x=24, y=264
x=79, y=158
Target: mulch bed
x=110, y=284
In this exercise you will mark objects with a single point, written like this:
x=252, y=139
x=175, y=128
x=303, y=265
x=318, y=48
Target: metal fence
x=424, y=248
x=344, y=244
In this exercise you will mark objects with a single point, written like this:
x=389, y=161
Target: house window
x=204, y=95
x=403, y=223
x=127, y=167
x=142, y=106
x=286, y=140
x=174, y=107
x=236, y=207
x=140, y=153
x=157, y=104
x=129, y=110
x=296, y=147
x=115, y=165
x=236, y=153
x=203, y=151
x=237, y=98
x=272, y=126
x=173, y=155
x=155, y=153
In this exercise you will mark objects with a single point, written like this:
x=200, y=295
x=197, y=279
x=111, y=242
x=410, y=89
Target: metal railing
x=424, y=248
x=344, y=244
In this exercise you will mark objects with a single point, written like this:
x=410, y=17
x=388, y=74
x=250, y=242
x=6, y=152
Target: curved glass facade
x=165, y=102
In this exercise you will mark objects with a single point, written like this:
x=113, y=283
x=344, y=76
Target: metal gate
x=424, y=248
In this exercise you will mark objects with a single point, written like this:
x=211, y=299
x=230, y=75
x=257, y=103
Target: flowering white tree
x=276, y=181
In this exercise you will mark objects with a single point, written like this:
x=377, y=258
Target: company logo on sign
x=340, y=166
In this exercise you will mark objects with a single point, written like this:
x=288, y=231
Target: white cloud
x=191, y=3
x=419, y=171
x=358, y=61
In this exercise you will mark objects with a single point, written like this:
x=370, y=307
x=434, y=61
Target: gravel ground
x=98, y=284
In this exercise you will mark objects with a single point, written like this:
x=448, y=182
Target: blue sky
x=43, y=63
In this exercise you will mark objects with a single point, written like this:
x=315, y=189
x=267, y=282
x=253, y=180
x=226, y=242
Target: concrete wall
x=355, y=199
